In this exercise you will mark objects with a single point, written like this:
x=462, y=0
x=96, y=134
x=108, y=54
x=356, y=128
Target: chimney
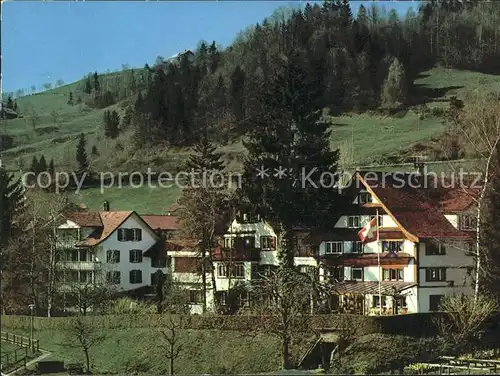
x=105, y=206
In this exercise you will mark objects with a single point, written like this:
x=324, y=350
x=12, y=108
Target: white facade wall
x=459, y=266
x=453, y=219
x=125, y=266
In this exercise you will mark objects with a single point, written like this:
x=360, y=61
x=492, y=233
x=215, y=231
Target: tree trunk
x=172, y=365
x=285, y=352
x=87, y=358
x=204, y=277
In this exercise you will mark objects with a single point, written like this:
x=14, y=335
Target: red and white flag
x=368, y=233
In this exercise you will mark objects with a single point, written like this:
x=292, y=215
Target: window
x=158, y=261
x=267, y=243
x=353, y=221
x=112, y=256
x=434, y=302
x=357, y=247
x=237, y=270
x=309, y=270
x=248, y=242
x=223, y=298
x=195, y=297
x=129, y=234
x=376, y=301
x=113, y=278
x=243, y=299
x=336, y=273
x=435, y=274
x=79, y=255
x=357, y=274
x=392, y=274
x=72, y=276
x=136, y=234
x=267, y=270
x=364, y=197
x=228, y=243
x=392, y=246
x=468, y=222
x=334, y=248
x=135, y=256
x=135, y=276
x=380, y=219
x=434, y=248
x=85, y=276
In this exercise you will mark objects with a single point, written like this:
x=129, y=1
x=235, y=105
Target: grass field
x=204, y=351
x=372, y=137
x=143, y=200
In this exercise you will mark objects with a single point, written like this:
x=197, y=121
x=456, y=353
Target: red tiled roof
x=416, y=208
x=161, y=222
x=111, y=220
x=84, y=219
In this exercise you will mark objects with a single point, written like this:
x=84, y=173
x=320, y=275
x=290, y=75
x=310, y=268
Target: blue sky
x=47, y=41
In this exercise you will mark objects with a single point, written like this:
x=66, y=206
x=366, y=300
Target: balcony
x=236, y=254
x=79, y=265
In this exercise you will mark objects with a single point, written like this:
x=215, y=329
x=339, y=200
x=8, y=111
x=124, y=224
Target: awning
x=371, y=287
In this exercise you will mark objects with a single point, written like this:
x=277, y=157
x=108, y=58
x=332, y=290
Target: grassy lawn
x=143, y=200
x=204, y=351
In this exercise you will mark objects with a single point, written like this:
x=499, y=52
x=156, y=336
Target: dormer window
x=364, y=197
x=353, y=221
x=468, y=222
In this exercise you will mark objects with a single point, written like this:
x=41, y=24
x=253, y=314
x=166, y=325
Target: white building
x=118, y=248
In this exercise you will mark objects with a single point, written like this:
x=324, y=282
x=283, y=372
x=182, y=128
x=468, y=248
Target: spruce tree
x=97, y=84
x=10, y=103
x=42, y=164
x=11, y=200
x=81, y=154
x=288, y=142
x=237, y=93
x=51, y=169
x=205, y=159
x=88, y=85
x=70, y=100
x=35, y=168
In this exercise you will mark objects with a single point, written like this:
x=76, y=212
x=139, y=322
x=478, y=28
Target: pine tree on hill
x=88, y=85
x=81, y=154
x=10, y=103
x=35, y=168
x=205, y=158
x=97, y=84
x=42, y=164
x=11, y=200
x=70, y=100
x=51, y=169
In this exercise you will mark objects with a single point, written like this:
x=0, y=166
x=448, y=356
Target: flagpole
x=379, y=269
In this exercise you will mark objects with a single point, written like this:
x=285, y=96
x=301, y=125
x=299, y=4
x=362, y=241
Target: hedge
x=410, y=324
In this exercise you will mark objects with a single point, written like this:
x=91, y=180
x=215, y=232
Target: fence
x=19, y=355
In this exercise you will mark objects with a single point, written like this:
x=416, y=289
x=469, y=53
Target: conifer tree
x=97, y=84
x=70, y=100
x=10, y=103
x=35, y=168
x=81, y=154
x=51, y=169
x=88, y=85
x=289, y=142
x=11, y=200
x=42, y=164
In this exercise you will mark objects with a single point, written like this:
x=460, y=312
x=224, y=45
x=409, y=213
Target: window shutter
x=273, y=243
x=138, y=234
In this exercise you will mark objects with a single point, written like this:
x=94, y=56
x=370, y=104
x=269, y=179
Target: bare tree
x=55, y=116
x=87, y=296
x=19, y=93
x=47, y=85
x=283, y=298
x=59, y=82
x=32, y=116
x=33, y=89
x=171, y=340
x=84, y=334
x=479, y=125
x=464, y=318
